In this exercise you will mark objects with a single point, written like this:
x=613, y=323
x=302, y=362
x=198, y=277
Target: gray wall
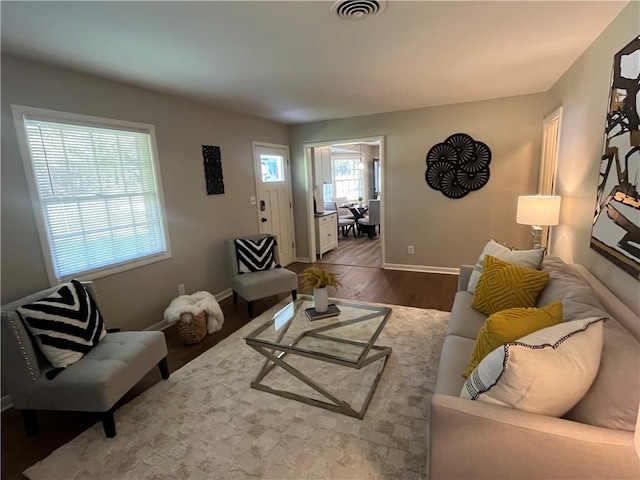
x=198, y=224
x=583, y=92
x=445, y=232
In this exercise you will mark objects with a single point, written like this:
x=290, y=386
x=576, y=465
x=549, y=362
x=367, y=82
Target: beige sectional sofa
x=474, y=439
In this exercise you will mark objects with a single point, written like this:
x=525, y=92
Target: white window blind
x=99, y=197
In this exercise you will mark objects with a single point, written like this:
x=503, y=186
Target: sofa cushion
x=510, y=325
x=465, y=321
x=566, y=284
x=503, y=285
x=613, y=399
x=66, y=325
x=546, y=372
x=453, y=359
x=524, y=258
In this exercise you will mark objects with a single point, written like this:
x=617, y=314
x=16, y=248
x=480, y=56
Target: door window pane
x=272, y=168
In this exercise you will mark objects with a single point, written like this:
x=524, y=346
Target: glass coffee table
x=347, y=340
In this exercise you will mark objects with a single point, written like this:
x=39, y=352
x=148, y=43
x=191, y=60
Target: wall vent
x=358, y=9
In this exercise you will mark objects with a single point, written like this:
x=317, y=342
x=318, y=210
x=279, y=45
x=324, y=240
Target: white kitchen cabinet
x=326, y=232
x=322, y=165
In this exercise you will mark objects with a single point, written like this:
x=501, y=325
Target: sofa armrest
x=470, y=439
x=464, y=276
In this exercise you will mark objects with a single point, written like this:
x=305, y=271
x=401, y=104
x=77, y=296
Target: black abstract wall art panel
x=458, y=165
x=615, y=233
x=213, y=169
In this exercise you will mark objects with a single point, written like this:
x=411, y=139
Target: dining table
x=357, y=211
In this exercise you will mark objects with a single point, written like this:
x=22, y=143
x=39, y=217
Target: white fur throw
x=194, y=305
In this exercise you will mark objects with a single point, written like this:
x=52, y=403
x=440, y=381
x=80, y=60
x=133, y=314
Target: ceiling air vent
x=358, y=9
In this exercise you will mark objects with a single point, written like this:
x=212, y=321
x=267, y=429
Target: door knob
x=263, y=220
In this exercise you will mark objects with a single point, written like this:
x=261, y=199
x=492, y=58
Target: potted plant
x=317, y=280
x=359, y=201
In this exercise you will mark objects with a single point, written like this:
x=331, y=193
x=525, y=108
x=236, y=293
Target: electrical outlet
x=410, y=250
x=181, y=289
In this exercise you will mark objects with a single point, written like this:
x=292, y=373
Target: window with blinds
x=347, y=178
x=98, y=187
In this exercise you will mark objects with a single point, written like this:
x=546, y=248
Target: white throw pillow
x=546, y=372
x=523, y=258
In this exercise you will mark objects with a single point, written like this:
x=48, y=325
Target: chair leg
x=235, y=297
x=250, y=306
x=109, y=424
x=30, y=420
x=164, y=368
x=294, y=294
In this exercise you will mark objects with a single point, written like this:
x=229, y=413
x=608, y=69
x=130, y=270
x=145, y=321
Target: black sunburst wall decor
x=458, y=165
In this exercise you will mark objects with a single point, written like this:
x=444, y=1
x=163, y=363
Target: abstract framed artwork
x=615, y=232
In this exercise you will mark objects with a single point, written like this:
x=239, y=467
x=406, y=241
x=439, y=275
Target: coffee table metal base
x=336, y=405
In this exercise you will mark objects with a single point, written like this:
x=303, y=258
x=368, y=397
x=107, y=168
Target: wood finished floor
x=369, y=284
x=358, y=251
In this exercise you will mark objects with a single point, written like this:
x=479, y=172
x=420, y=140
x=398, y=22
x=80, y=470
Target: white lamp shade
x=538, y=210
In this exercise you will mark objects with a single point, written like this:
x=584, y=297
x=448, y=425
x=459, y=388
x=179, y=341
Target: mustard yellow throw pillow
x=503, y=285
x=510, y=325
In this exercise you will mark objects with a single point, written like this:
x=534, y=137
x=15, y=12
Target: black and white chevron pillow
x=66, y=325
x=255, y=255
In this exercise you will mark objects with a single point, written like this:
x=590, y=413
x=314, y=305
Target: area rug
x=205, y=422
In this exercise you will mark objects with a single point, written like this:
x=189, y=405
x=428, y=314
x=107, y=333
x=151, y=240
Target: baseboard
x=164, y=324
x=422, y=268
x=303, y=260
x=6, y=402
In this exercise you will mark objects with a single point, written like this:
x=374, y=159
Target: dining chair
x=342, y=210
x=346, y=223
x=370, y=222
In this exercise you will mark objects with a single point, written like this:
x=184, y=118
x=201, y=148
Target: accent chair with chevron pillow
x=503, y=285
x=255, y=269
x=66, y=324
x=255, y=255
x=56, y=355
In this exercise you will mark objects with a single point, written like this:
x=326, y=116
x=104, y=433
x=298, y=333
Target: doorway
x=549, y=162
x=349, y=171
x=273, y=186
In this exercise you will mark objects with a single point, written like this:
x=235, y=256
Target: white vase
x=320, y=299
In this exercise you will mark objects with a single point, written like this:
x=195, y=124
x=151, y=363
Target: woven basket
x=192, y=329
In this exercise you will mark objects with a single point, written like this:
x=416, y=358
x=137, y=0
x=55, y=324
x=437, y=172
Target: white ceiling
x=296, y=62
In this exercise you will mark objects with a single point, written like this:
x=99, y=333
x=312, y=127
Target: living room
x=445, y=233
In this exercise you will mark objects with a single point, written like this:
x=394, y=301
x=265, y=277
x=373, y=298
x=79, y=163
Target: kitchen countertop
x=325, y=213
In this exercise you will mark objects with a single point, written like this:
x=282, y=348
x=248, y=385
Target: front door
x=275, y=210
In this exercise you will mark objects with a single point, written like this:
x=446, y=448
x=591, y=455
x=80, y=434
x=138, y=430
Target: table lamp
x=538, y=211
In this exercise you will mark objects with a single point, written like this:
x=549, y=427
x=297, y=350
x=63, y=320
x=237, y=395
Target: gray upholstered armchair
x=259, y=284
x=92, y=384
